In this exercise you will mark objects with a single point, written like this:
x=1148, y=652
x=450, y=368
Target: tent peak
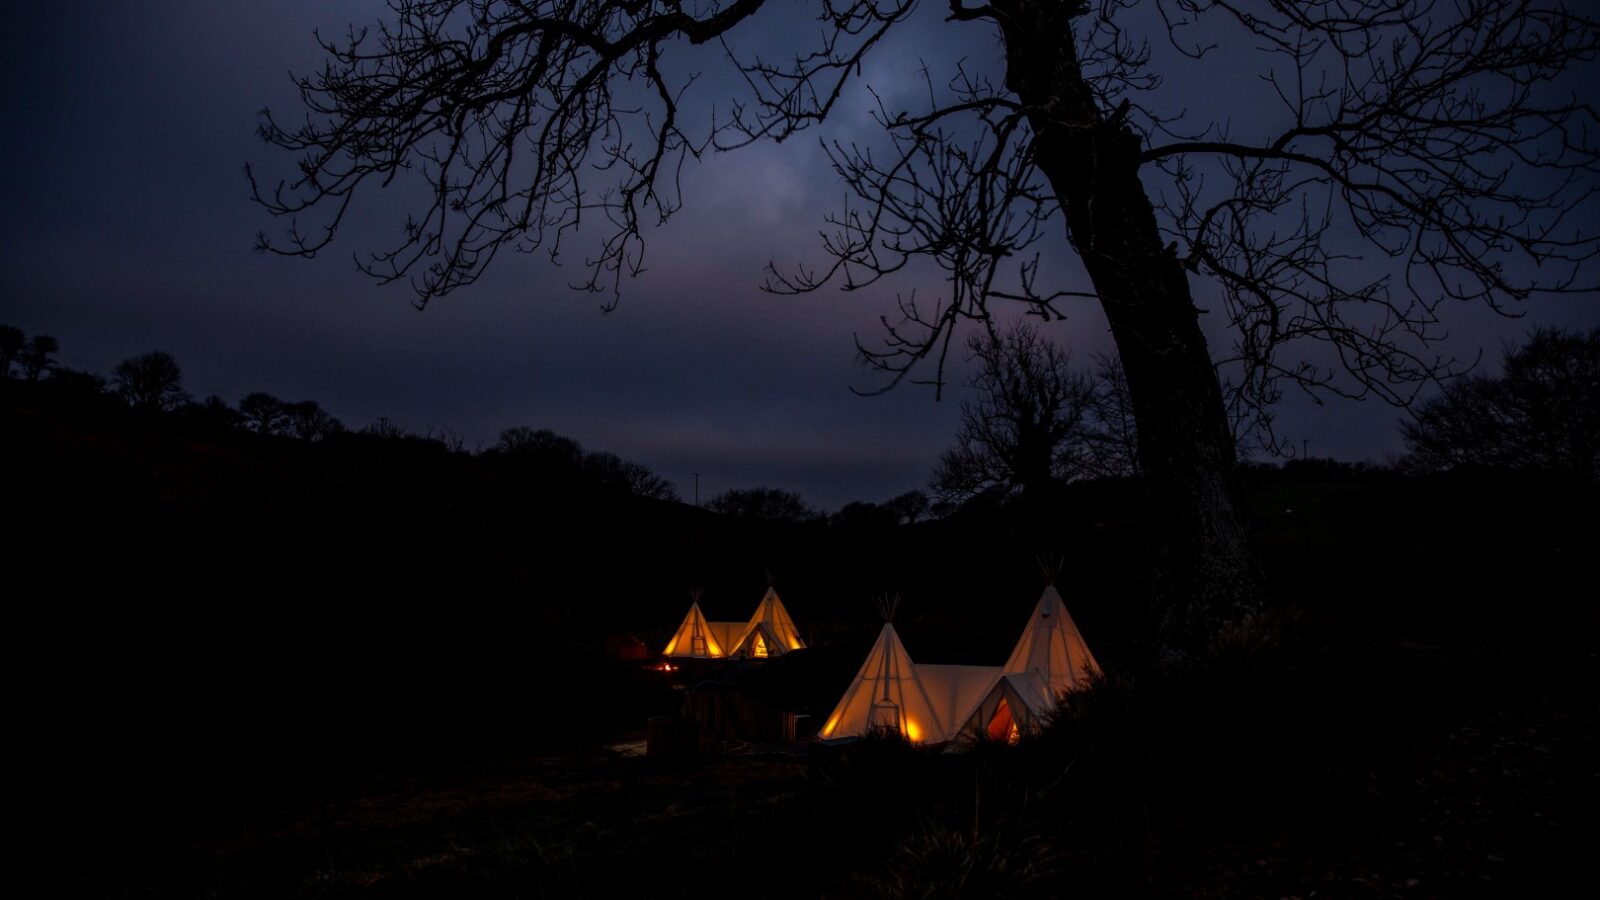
x=887, y=604
x=1050, y=566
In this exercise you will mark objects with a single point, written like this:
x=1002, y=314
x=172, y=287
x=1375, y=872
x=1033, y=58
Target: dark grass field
x=1361, y=771
x=564, y=826
x=250, y=668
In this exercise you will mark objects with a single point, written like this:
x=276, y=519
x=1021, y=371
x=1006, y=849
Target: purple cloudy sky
x=127, y=227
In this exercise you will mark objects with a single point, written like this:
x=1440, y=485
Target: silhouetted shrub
x=763, y=503
x=151, y=382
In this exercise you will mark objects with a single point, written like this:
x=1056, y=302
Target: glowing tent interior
x=1049, y=660
x=770, y=632
x=1015, y=705
x=934, y=704
x=887, y=695
x=699, y=639
x=1052, y=647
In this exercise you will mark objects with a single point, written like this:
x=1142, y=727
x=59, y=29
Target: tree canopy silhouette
x=1036, y=422
x=12, y=341
x=36, y=357
x=764, y=503
x=262, y=413
x=542, y=446
x=1441, y=138
x=910, y=506
x=1542, y=413
x=308, y=421
x=150, y=381
x=636, y=478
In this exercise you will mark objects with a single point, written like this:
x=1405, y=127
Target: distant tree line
x=306, y=420
x=545, y=450
x=33, y=357
x=1036, y=422
x=1541, y=413
x=151, y=384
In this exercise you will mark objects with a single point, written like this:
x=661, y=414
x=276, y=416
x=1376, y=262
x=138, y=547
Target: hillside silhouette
x=227, y=616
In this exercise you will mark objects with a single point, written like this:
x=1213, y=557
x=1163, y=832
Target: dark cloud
x=127, y=228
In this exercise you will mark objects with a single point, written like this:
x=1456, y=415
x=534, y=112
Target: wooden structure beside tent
x=729, y=714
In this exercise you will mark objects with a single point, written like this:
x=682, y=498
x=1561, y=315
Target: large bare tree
x=1035, y=421
x=1409, y=153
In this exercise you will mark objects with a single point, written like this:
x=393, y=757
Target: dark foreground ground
x=1412, y=772
x=250, y=668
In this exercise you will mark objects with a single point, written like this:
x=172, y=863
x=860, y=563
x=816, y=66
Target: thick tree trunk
x=1205, y=574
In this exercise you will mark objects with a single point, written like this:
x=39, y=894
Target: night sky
x=127, y=227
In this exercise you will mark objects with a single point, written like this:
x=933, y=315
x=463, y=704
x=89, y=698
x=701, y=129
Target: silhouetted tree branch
x=1542, y=413
x=910, y=506
x=766, y=504
x=11, y=343
x=1113, y=446
x=544, y=451
x=150, y=381
x=263, y=413
x=308, y=421
x=212, y=413
x=614, y=471
x=503, y=110
x=1036, y=422
x=36, y=357
x=542, y=446
x=1438, y=138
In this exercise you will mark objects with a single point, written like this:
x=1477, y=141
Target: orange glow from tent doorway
x=1003, y=727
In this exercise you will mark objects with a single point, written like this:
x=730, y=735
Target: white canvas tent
x=1049, y=660
x=1015, y=705
x=887, y=695
x=934, y=704
x=925, y=704
x=956, y=690
x=770, y=632
x=726, y=633
x=698, y=639
x=1052, y=647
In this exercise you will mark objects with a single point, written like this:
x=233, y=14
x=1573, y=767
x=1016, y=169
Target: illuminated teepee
x=886, y=696
x=696, y=638
x=770, y=632
x=1052, y=648
x=1049, y=660
x=891, y=694
x=1016, y=705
